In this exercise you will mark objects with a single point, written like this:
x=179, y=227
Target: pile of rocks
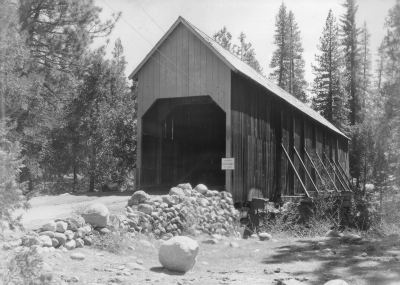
x=67, y=233
x=183, y=210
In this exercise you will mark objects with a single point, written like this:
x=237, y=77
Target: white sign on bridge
x=228, y=163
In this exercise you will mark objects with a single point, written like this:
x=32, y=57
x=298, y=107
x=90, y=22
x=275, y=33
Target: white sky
x=144, y=22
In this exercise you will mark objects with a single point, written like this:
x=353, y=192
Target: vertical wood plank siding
x=255, y=115
x=253, y=140
x=182, y=66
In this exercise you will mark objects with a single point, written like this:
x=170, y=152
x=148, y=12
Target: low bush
x=26, y=268
x=115, y=241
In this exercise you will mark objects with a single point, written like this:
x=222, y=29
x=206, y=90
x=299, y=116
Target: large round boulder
x=97, y=215
x=178, y=253
x=138, y=197
x=201, y=188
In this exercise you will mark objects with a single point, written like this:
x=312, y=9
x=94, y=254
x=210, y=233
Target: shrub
x=287, y=220
x=115, y=242
x=11, y=192
x=25, y=267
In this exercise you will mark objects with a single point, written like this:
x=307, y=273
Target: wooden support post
x=327, y=172
x=334, y=171
x=295, y=171
x=305, y=169
x=344, y=173
x=342, y=177
x=316, y=170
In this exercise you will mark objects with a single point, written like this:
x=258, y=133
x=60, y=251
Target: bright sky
x=144, y=22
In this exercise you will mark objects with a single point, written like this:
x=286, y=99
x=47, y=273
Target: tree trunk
x=92, y=168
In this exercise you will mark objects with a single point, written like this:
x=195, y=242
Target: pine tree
x=246, y=53
x=287, y=60
x=297, y=83
x=349, y=36
x=365, y=66
x=280, y=55
x=242, y=50
x=224, y=38
x=329, y=98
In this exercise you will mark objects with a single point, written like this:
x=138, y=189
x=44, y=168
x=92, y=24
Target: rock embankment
x=183, y=211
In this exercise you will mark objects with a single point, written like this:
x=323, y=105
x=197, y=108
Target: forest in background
x=68, y=120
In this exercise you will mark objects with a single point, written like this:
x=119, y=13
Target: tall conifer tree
x=349, y=40
x=329, y=100
x=287, y=61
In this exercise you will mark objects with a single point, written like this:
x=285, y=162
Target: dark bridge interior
x=183, y=141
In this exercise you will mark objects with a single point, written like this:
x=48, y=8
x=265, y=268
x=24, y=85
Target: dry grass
x=115, y=242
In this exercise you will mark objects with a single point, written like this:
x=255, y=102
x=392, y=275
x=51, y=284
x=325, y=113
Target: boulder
x=77, y=256
x=138, y=197
x=336, y=282
x=333, y=233
x=79, y=242
x=69, y=234
x=47, y=233
x=145, y=208
x=185, y=186
x=51, y=226
x=75, y=223
x=45, y=241
x=170, y=200
x=61, y=226
x=177, y=191
x=351, y=238
x=71, y=244
x=87, y=240
x=55, y=242
x=61, y=238
x=97, y=215
x=201, y=188
x=203, y=202
x=104, y=231
x=178, y=253
x=264, y=236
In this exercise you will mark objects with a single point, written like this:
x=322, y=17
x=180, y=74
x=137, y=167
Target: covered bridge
x=198, y=104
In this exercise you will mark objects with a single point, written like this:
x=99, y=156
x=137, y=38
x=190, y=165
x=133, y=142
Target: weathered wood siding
x=183, y=66
x=252, y=139
x=260, y=123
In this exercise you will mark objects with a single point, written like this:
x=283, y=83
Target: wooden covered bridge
x=199, y=104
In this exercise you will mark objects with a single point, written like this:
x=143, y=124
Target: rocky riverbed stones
x=178, y=253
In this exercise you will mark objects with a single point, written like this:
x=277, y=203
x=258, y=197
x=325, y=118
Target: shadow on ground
x=160, y=269
x=368, y=262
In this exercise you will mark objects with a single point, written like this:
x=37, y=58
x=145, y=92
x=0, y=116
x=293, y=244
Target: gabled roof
x=238, y=66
